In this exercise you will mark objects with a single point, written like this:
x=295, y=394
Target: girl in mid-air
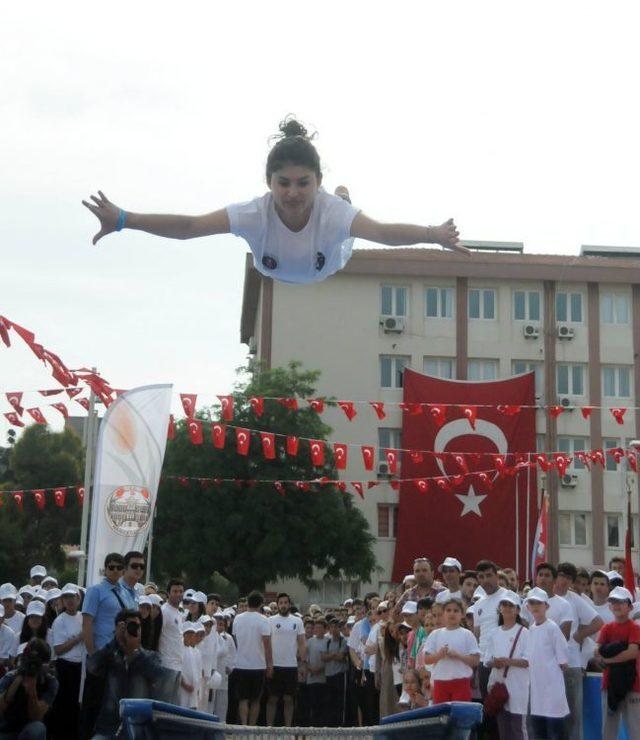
x=298, y=232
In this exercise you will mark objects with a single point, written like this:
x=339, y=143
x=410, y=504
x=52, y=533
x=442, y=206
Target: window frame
x=570, y=319
x=484, y=360
x=394, y=300
x=571, y=391
x=440, y=289
x=527, y=305
x=616, y=370
x=571, y=448
x=615, y=295
x=439, y=360
x=391, y=522
x=572, y=525
x=394, y=370
x=482, y=305
x=538, y=369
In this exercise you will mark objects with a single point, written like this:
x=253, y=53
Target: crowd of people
x=67, y=656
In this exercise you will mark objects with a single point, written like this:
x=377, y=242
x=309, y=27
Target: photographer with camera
x=130, y=671
x=27, y=693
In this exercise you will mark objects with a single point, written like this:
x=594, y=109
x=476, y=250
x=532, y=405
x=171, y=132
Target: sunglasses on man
x=137, y=566
x=115, y=566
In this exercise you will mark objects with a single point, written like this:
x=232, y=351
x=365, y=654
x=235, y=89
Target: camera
x=133, y=629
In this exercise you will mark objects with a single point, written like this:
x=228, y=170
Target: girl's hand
x=106, y=212
x=447, y=235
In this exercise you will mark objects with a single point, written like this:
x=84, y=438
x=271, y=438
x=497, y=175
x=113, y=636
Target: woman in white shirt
x=298, y=232
x=506, y=651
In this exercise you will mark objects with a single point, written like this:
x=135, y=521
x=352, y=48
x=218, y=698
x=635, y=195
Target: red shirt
x=629, y=632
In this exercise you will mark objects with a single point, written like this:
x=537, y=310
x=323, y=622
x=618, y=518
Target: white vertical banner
x=129, y=456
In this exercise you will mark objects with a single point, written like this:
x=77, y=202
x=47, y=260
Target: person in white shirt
x=12, y=617
x=585, y=623
x=254, y=658
x=8, y=644
x=191, y=674
x=451, y=571
x=287, y=643
x=453, y=652
x=506, y=656
x=485, y=613
x=225, y=665
x=171, y=644
x=208, y=649
x=599, y=594
x=558, y=609
x=68, y=646
x=298, y=232
x=548, y=657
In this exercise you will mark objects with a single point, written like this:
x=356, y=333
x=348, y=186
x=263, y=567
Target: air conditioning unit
x=392, y=324
x=566, y=403
x=253, y=345
x=383, y=470
x=565, y=332
x=569, y=481
x=531, y=331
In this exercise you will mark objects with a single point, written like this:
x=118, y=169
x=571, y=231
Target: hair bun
x=292, y=127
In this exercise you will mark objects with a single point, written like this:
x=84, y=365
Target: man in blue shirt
x=134, y=565
x=102, y=602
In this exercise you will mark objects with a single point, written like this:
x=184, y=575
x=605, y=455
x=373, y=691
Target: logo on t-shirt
x=270, y=262
x=278, y=626
x=320, y=260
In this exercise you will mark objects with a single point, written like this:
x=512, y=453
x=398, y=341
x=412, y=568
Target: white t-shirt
x=372, y=640
x=226, y=658
x=485, y=616
x=355, y=642
x=559, y=610
x=8, y=642
x=191, y=674
x=249, y=628
x=547, y=651
x=65, y=627
x=461, y=640
x=284, y=640
x=15, y=622
x=208, y=650
x=517, y=680
x=310, y=255
x=582, y=614
x=604, y=612
x=171, y=644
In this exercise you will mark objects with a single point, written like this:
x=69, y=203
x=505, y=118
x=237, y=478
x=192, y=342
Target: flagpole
x=518, y=479
x=88, y=473
x=528, y=533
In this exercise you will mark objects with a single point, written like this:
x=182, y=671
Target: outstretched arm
x=396, y=235
x=172, y=227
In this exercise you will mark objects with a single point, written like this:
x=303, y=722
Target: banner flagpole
x=90, y=439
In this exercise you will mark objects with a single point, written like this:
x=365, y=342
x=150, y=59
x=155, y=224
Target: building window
x=439, y=303
x=614, y=308
x=526, y=305
x=573, y=528
x=388, y=520
x=613, y=530
x=569, y=308
x=393, y=300
x=616, y=381
x=482, y=303
x=570, y=379
x=391, y=369
x=330, y=592
x=519, y=367
x=610, y=443
x=616, y=531
x=571, y=445
x=390, y=438
x=482, y=369
x=439, y=367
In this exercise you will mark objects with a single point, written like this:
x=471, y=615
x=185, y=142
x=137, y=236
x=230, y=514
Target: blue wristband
x=121, y=219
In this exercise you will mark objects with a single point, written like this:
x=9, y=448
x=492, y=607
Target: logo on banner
x=128, y=510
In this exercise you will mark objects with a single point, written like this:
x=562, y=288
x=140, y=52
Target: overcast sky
x=520, y=120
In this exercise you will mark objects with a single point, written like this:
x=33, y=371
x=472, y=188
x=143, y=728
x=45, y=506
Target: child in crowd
x=548, y=656
x=316, y=674
x=453, y=651
x=412, y=696
x=191, y=676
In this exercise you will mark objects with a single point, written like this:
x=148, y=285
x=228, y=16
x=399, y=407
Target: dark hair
x=125, y=614
x=294, y=147
x=369, y=596
x=113, y=557
x=424, y=559
x=26, y=633
x=599, y=574
x=150, y=633
x=174, y=582
x=255, y=600
x=582, y=573
x=484, y=565
x=320, y=620
x=425, y=603
x=568, y=569
x=50, y=613
x=358, y=602
x=214, y=597
x=131, y=555
x=547, y=566
x=201, y=611
x=616, y=559
x=391, y=645
x=40, y=647
x=283, y=596
x=519, y=619
x=469, y=574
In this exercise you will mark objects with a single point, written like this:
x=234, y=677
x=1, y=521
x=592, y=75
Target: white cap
x=49, y=579
x=410, y=607
x=219, y=615
x=39, y=594
x=154, y=599
x=347, y=602
x=1, y=611
x=205, y=619
x=70, y=589
x=613, y=574
x=266, y=609
x=537, y=594
x=200, y=597
x=382, y=605
x=53, y=593
x=188, y=594
x=451, y=563
x=620, y=594
x=408, y=577
x=406, y=625
x=351, y=620
x=144, y=601
x=479, y=593
x=139, y=588
x=26, y=590
x=38, y=570
x=511, y=597
x=8, y=591
x=188, y=627
x=36, y=608
x=443, y=596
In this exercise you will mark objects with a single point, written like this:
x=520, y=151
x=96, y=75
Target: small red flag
x=392, y=460
x=508, y=409
x=415, y=409
x=288, y=403
x=17, y=497
x=292, y=445
x=597, y=456
x=438, y=413
x=52, y=392
x=317, y=404
x=80, y=494
x=368, y=456
x=218, y=435
x=378, y=407
x=562, y=462
x=470, y=413
x=39, y=497
x=37, y=416
x=279, y=487
x=348, y=408
x=59, y=497
x=340, y=455
x=316, y=447
x=171, y=428
x=555, y=411
x=268, y=440
x=84, y=402
x=586, y=411
x=61, y=408
x=416, y=456
x=422, y=485
x=73, y=392
x=194, y=427
x=618, y=414
x=226, y=402
x=243, y=438
x=257, y=404
x=358, y=488
x=15, y=399
x=302, y=485
x=4, y=331
x=189, y=403
x=14, y=419
x=543, y=461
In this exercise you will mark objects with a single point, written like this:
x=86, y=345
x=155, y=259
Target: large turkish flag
x=482, y=514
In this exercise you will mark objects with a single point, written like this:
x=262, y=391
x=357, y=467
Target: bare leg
x=272, y=705
x=288, y=710
x=254, y=711
x=243, y=711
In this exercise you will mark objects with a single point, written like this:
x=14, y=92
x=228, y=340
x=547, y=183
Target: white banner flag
x=129, y=455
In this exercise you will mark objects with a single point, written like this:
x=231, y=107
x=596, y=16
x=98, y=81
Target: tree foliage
x=251, y=534
x=41, y=458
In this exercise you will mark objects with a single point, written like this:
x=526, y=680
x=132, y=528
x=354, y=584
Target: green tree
x=250, y=534
x=39, y=459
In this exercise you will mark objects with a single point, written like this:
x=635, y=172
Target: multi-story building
x=575, y=321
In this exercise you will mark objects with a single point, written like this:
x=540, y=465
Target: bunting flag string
x=42, y=495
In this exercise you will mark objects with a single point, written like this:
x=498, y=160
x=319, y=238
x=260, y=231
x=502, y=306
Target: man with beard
x=423, y=573
x=287, y=640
